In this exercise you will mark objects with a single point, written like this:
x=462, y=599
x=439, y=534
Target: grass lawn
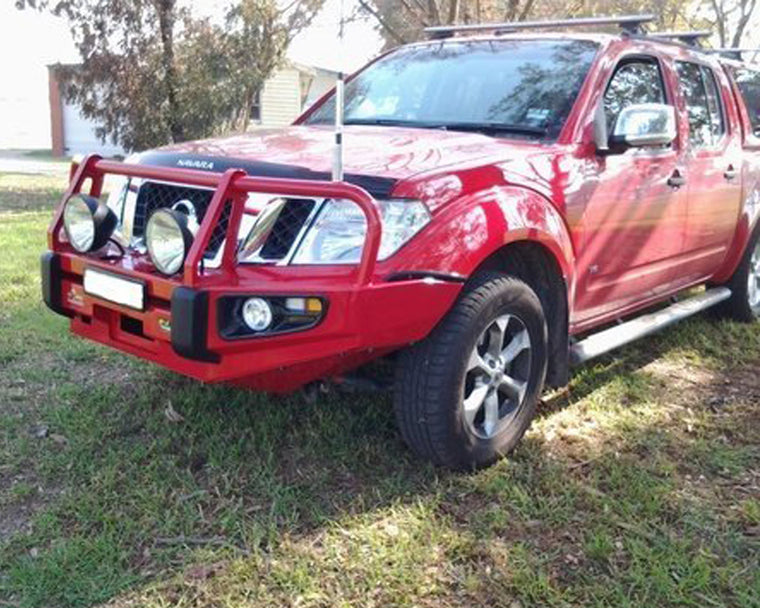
x=123, y=484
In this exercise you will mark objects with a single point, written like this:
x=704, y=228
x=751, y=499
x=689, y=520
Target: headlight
x=88, y=222
x=338, y=234
x=401, y=221
x=168, y=239
x=336, y=237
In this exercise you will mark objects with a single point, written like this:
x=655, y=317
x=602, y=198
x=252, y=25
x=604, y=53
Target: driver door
x=635, y=215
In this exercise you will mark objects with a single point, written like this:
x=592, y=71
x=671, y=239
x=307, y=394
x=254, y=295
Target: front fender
x=467, y=231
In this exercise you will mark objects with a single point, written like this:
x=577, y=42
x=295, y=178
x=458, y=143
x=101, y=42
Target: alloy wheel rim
x=754, y=278
x=497, y=375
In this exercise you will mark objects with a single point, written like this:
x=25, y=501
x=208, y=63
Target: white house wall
x=281, y=98
x=79, y=135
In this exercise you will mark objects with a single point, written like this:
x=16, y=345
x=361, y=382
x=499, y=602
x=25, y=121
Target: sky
x=29, y=41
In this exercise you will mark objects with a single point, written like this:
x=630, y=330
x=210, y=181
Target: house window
x=256, y=107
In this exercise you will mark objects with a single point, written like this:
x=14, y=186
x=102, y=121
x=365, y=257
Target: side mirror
x=645, y=124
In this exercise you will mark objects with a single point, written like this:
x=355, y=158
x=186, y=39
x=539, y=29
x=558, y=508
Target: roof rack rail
x=631, y=24
x=687, y=38
x=733, y=53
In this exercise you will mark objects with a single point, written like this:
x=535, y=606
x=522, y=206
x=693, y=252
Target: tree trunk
x=244, y=117
x=165, y=11
x=453, y=11
x=435, y=15
x=720, y=22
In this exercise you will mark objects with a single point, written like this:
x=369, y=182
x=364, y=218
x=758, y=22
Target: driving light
x=168, y=239
x=257, y=314
x=88, y=222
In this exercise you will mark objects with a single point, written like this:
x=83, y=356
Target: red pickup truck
x=507, y=198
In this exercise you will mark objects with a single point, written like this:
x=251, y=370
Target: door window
x=635, y=81
x=748, y=82
x=703, y=105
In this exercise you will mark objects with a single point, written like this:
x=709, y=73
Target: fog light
x=257, y=314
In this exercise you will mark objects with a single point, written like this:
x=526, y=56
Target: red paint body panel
x=360, y=325
x=622, y=237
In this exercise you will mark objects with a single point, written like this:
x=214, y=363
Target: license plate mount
x=115, y=288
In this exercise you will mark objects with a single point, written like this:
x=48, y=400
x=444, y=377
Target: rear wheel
x=468, y=392
x=744, y=303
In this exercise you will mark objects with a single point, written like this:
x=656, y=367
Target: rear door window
x=703, y=104
x=748, y=82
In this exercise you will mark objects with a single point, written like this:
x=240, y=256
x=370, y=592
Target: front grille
x=293, y=215
x=156, y=195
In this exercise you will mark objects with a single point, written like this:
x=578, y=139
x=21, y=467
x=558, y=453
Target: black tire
x=739, y=306
x=432, y=375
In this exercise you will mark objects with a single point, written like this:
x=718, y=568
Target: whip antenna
x=337, y=171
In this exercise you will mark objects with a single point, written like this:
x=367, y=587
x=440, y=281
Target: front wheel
x=467, y=393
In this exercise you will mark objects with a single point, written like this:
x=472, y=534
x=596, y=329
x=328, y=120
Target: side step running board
x=615, y=337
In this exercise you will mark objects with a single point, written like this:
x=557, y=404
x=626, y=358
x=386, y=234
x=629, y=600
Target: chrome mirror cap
x=645, y=124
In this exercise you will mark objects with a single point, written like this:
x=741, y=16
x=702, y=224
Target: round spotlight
x=88, y=222
x=168, y=239
x=257, y=314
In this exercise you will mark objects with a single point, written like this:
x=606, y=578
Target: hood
x=375, y=158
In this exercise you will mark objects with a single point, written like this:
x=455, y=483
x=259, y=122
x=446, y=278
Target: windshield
x=515, y=87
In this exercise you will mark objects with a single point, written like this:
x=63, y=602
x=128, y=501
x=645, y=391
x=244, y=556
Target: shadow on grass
x=22, y=192
x=33, y=199
x=154, y=473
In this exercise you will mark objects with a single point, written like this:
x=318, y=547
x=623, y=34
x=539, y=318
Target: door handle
x=730, y=173
x=676, y=180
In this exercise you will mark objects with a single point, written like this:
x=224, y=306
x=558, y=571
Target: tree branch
x=526, y=10
x=383, y=22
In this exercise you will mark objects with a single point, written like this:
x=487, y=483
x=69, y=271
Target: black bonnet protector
x=378, y=187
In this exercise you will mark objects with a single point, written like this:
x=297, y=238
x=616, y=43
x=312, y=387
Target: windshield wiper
x=389, y=122
x=475, y=127
x=494, y=127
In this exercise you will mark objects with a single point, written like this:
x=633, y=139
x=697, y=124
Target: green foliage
x=152, y=73
x=400, y=22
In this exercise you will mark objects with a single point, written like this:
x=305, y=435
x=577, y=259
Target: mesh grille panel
x=286, y=228
x=154, y=196
x=217, y=236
